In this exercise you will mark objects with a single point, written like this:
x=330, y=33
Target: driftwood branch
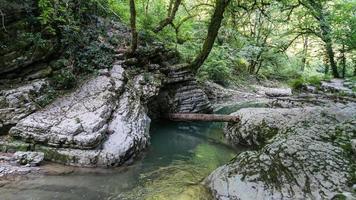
x=203, y=117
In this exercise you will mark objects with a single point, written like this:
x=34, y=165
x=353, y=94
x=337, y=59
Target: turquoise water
x=180, y=156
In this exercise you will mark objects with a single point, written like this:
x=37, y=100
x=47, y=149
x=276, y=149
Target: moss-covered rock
x=309, y=156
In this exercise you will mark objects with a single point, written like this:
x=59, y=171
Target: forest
x=177, y=99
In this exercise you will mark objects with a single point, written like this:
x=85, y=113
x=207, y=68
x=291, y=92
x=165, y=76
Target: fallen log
x=203, y=117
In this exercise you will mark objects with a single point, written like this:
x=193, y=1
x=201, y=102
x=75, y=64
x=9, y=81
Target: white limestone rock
x=102, y=123
x=305, y=159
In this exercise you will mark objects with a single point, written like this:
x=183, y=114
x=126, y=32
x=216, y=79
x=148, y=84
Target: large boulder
x=78, y=120
x=102, y=123
x=308, y=156
x=258, y=125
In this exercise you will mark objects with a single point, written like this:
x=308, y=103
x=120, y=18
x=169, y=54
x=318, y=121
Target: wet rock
x=28, y=158
x=7, y=170
x=305, y=159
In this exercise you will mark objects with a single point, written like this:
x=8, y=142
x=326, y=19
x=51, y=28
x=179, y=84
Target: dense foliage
x=76, y=26
x=284, y=39
x=273, y=39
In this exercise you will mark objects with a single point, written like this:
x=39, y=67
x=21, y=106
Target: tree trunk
x=259, y=67
x=343, y=61
x=171, y=15
x=203, y=117
x=134, y=35
x=326, y=64
x=330, y=53
x=213, y=31
x=320, y=14
x=326, y=37
x=305, y=53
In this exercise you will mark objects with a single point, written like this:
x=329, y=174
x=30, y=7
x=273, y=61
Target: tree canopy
x=224, y=40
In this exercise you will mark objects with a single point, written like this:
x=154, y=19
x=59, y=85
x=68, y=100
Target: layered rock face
x=102, y=123
x=18, y=102
x=307, y=154
x=182, y=94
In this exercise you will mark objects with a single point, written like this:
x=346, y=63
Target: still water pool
x=180, y=156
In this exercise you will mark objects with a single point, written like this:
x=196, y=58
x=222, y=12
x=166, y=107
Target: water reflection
x=179, y=157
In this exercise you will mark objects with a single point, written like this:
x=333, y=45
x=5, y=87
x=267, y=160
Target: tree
x=305, y=53
x=344, y=31
x=134, y=35
x=213, y=30
x=172, y=10
x=318, y=11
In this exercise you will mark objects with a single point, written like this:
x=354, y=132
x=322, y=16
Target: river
x=180, y=156
x=178, y=159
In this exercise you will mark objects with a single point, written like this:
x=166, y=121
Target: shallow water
x=178, y=159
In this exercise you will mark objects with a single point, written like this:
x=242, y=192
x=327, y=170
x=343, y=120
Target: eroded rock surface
x=17, y=103
x=308, y=155
x=102, y=123
x=78, y=120
x=182, y=94
x=258, y=125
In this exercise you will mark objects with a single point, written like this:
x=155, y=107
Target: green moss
x=265, y=133
x=339, y=197
x=13, y=146
x=53, y=155
x=48, y=97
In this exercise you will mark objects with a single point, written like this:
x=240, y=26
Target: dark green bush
x=297, y=84
x=314, y=80
x=94, y=56
x=64, y=79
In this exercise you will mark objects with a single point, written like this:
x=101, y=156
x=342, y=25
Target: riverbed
x=180, y=156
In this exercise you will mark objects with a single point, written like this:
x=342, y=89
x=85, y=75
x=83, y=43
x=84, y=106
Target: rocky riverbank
x=105, y=121
x=304, y=150
x=94, y=107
